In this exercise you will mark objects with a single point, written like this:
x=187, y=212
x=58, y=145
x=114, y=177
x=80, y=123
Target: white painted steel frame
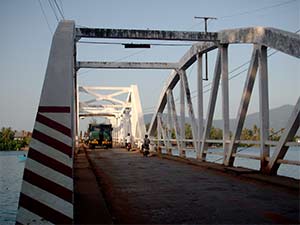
x=175, y=121
x=261, y=38
x=133, y=123
x=243, y=108
x=126, y=65
x=211, y=105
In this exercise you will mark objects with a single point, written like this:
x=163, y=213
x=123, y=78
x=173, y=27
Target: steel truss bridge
x=55, y=134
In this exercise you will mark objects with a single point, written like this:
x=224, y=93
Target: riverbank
x=26, y=148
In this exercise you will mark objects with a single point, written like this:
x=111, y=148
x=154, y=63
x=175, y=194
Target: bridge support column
x=47, y=189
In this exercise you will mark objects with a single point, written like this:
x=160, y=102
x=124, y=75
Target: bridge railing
x=261, y=39
x=159, y=144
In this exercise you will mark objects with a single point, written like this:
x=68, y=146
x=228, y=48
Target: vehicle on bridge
x=100, y=135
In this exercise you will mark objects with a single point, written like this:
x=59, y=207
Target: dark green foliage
x=7, y=141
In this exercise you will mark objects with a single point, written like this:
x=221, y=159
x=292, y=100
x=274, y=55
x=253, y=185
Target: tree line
x=252, y=134
x=8, y=142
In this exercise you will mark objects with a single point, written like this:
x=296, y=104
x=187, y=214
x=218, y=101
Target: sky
x=27, y=33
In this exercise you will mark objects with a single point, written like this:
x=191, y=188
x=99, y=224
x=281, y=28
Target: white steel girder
x=261, y=38
x=127, y=113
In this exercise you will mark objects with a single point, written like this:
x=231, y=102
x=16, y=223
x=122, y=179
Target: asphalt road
x=152, y=190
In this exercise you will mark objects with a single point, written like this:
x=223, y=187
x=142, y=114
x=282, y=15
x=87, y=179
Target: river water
x=11, y=171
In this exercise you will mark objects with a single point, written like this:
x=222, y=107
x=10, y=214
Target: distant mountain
x=278, y=118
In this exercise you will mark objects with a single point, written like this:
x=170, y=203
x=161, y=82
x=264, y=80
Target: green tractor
x=100, y=135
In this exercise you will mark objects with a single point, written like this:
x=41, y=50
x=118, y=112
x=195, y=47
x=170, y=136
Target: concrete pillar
x=47, y=188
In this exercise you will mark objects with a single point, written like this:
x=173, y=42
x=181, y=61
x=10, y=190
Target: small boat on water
x=22, y=158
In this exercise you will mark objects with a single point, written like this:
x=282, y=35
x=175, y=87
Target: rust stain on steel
x=145, y=34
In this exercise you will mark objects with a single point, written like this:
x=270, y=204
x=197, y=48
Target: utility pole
x=205, y=18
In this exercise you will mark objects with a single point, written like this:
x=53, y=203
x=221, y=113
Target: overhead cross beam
x=145, y=34
x=127, y=65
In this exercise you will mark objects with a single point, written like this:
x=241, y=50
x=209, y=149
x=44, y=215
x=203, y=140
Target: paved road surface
x=160, y=191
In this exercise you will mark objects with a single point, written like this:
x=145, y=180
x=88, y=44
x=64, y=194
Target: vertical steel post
x=225, y=99
x=182, y=111
x=169, y=123
x=200, y=102
x=158, y=130
x=211, y=105
x=263, y=107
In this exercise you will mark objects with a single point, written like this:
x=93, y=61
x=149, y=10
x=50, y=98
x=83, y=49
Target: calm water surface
x=11, y=171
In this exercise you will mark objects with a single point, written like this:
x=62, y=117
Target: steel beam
x=158, y=130
x=243, y=108
x=187, y=60
x=92, y=107
x=283, y=41
x=174, y=116
x=97, y=114
x=263, y=106
x=98, y=88
x=145, y=34
x=288, y=134
x=127, y=65
x=190, y=107
x=225, y=99
x=163, y=132
x=169, y=120
x=182, y=111
x=200, y=102
x=211, y=105
x=137, y=116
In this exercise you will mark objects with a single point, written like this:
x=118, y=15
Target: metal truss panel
x=188, y=59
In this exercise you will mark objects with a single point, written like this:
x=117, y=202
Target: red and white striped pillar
x=47, y=190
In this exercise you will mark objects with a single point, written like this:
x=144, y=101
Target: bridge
x=154, y=190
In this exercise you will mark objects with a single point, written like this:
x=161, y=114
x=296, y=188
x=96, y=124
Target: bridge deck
x=155, y=190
